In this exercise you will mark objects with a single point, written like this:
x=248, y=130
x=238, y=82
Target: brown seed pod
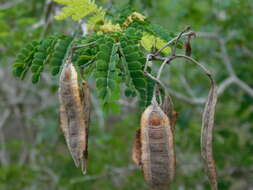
x=188, y=49
x=207, y=136
x=72, y=120
x=157, y=156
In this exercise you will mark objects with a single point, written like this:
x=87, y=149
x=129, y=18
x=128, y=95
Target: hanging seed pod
x=72, y=120
x=207, y=135
x=188, y=49
x=156, y=144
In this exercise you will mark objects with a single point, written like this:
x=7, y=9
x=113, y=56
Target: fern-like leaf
x=24, y=59
x=107, y=73
x=134, y=60
x=59, y=54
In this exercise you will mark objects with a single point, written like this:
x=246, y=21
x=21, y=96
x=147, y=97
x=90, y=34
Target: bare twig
x=73, y=48
x=227, y=62
x=244, y=86
x=178, y=38
x=83, y=45
x=186, y=86
x=185, y=98
x=201, y=100
x=225, y=84
x=225, y=57
x=151, y=76
x=191, y=33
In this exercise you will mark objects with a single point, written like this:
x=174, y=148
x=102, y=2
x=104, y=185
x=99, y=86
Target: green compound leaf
x=37, y=54
x=107, y=73
x=59, y=53
x=24, y=59
x=133, y=62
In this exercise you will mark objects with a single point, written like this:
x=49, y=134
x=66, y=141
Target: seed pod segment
x=72, y=113
x=157, y=148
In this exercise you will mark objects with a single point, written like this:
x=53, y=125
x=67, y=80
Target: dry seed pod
x=207, y=136
x=157, y=156
x=72, y=122
x=188, y=49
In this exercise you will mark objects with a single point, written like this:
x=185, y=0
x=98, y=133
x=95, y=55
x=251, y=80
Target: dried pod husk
x=157, y=156
x=207, y=136
x=72, y=120
x=86, y=104
x=187, y=45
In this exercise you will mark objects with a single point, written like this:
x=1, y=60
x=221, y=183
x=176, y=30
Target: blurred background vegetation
x=33, y=154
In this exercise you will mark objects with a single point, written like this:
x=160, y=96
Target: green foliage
x=133, y=60
x=59, y=53
x=24, y=59
x=37, y=54
x=107, y=73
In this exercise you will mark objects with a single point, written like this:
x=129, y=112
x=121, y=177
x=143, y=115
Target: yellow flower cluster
x=109, y=27
x=148, y=41
x=132, y=17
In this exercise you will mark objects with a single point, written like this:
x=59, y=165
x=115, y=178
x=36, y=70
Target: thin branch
x=244, y=86
x=207, y=72
x=207, y=35
x=73, y=48
x=178, y=38
x=186, y=86
x=87, y=64
x=83, y=45
x=151, y=76
x=221, y=88
x=225, y=84
x=187, y=99
x=161, y=68
x=225, y=57
x=227, y=62
x=191, y=33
